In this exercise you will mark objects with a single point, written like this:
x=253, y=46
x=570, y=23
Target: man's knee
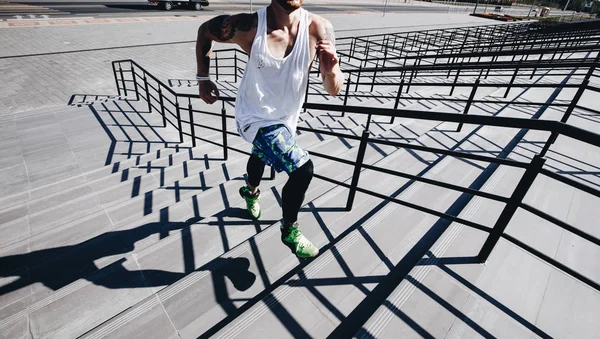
x=304, y=172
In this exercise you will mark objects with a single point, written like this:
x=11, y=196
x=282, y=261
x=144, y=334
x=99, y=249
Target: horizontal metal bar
x=561, y=224
x=591, y=110
x=332, y=158
x=425, y=209
x=437, y=183
x=553, y=262
x=507, y=65
x=343, y=184
x=206, y=127
x=571, y=182
x=220, y=145
x=335, y=134
x=457, y=154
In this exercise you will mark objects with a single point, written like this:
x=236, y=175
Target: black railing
x=175, y=106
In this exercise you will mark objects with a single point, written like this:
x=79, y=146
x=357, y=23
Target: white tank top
x=272, y=89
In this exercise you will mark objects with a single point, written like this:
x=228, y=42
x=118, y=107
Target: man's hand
x=327, y=56
x=205, y=89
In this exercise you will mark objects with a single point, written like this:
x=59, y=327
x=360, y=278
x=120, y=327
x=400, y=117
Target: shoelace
x=295, y=233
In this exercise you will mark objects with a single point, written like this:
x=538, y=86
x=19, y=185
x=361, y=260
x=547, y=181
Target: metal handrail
x=533, y=168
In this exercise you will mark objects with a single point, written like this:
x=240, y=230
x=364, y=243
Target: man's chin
x=290, y=5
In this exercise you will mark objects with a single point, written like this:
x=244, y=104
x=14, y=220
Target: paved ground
x=45, y=65
x=57, y=9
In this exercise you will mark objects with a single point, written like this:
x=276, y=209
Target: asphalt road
x=111, y=8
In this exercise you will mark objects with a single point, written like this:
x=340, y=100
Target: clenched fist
x=206, y=88
x=327, y=56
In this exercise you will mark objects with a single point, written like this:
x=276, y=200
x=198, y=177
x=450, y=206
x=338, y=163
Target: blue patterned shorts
x=277, y=148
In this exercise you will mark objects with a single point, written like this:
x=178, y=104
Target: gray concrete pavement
x=43, y=66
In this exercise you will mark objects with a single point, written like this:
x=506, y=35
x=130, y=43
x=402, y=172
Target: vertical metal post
x=346, y=93
x=192, y=126
x=116, y=78
x=162, y=105
x=511, y=207
x=454, y=84
x=357, y=168
x=398, y=96
x=549, y=143
x=412, y=73
x=235, y=67
x=217, y=66
x=575, y=100
x=122, y=80
x=469, y=102
x=512, y=80
x=306, y=92
x=374, y=76
x=359, y=74
x=147, y=93
x=178, y=113
x=535, y=68
x=135, y=84
x=224, y=127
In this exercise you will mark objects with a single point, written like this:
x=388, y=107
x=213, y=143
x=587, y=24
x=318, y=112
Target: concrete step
x=70, y=127
x=189, y=325
x=347, y=272
x=187, y=319
x=106, y=194
x=377, y=155
x=212, y=200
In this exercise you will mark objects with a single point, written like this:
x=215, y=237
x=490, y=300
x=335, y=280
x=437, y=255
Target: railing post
x=454, y=83
x=535, y=68
x=512, y=80
x=178, y=113
x=348, y=82
x=511, y=207
x=122, y=80
x=357, y=167
x=135, y=84
x=235, y=68
x=147, y=93
x=374, y=76
x=398, y=96
x=162, y=105
x=216, y=66
x=192, y=127
x=306, y=92
x=412, y=74
x=575, y=100
x=116, y=78
x=469, y=102
x=224, y=126
x=359, y=74
x=549, y=143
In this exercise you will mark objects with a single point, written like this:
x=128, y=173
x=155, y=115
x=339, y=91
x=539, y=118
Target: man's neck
x=279, y=18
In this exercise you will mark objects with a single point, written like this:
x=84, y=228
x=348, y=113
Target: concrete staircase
x=154, y=240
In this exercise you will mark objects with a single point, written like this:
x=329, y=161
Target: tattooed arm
x=238, y=29
x=333, y=79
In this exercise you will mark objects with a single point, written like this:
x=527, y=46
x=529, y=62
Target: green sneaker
x=252, y=204
x=297, y=243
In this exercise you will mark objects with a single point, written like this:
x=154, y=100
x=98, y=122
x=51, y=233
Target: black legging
x=293, y=191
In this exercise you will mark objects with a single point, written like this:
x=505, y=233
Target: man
x=281, y=41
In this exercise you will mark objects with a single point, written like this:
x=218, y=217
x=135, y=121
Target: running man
x=281, y=40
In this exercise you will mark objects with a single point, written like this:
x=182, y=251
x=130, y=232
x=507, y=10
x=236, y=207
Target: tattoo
x=224, y=27
x=329, y=34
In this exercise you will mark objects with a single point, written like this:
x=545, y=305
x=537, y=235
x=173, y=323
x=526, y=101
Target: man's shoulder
x=317, y=22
